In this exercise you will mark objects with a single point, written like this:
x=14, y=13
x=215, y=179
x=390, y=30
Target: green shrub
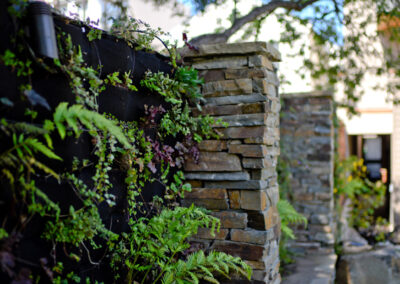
x=351, y=181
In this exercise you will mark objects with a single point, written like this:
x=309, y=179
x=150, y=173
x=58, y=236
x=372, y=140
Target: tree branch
x=265, y=10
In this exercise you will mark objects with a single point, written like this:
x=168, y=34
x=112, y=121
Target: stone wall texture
x=307, y=135
x=236, y=176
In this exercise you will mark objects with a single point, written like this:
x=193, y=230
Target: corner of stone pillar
x=236, y=176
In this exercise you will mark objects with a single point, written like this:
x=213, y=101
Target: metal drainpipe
x=42, y=29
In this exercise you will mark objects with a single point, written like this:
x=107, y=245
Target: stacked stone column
x=308, y=146
x=236, y=176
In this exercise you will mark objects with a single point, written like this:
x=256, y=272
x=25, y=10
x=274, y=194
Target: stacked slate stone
x=308, y=144
x=236, y=176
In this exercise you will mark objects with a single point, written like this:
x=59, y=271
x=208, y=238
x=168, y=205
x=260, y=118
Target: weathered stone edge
x=233, y=48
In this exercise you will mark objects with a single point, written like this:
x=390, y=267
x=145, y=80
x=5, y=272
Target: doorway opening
x=375, y=150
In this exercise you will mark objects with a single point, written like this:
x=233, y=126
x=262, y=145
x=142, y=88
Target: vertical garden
x=93, y=137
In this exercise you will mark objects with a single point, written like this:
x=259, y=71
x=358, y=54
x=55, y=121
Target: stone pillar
x=307, y=134
x=395, y=171
x=236, y=176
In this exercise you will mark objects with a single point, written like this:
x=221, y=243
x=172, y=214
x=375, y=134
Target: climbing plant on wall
x=152, y=245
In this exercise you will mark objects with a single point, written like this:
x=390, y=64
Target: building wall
x=236, y=176
x=307, y=144
x=373, y=107
x=396, y=165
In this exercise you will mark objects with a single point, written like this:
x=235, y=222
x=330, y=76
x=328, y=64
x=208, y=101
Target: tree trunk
x=263, y=10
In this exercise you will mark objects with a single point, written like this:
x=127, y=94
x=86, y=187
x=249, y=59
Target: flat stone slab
x=234, y=48
x=218, y=176
x=381, y=265
x=214, y=162
x=315, y=268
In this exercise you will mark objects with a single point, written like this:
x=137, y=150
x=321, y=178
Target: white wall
x=375, y=109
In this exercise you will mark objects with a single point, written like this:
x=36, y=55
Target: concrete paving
x=317, y=267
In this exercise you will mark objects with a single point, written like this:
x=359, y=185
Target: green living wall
x=92, y=143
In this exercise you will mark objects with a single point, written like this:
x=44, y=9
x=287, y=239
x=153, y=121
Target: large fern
x=198, y=267
x=92, y=120
x=157, y=245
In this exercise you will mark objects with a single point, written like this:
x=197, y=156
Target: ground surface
x=317, y=267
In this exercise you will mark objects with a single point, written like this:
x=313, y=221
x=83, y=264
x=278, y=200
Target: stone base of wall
x=236, y=176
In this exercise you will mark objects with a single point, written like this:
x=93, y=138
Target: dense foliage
x=351, y=181
x=155, y=246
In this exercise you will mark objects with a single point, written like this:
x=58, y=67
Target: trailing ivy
x=72, y=64
x=178, y=120
x=135, y=32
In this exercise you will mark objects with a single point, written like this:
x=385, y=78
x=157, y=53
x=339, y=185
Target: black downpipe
x=42, y=29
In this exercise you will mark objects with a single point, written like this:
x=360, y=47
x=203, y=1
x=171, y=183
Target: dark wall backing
x=108, y=55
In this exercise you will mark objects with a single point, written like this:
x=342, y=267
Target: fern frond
x=198, y=266
x=288, y=214
x=59, y=117
x=221, y=269
x=26, y=128
x=9, y=160
x=71, y=117
x=37, y=146
x=46, y=169
x=193, y=277
x=206, y=270
x=167, y=278
x=24, y=147
x=90, y=119
x=287, y=231
x=221, y=265
x=8, y=175
x=211, y=279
